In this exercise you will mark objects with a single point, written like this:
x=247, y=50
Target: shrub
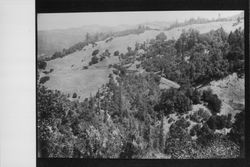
x=107, y=53
x=116, y=72
x=47, y=72
x=204, y=114
x=215, y=123
x=170, y=120
x=194, y=129
x=44, y=79
x=195, y=117
x=41, y=65
x=179, y=128
x=116, y=53
x=205, y=135
x=122, y=56
x=85, y=67
x=108, y=40
x=74, y=95
x=200, y=115
x=157, y=79
x=219, y=122
x=94, y=60
x=102, y=58
x=95, y=52
x=182, y=103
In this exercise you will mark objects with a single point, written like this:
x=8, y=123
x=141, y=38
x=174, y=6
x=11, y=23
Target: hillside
x=69, y=77
x=146, y=93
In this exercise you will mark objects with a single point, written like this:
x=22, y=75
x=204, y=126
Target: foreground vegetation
x=125, y=119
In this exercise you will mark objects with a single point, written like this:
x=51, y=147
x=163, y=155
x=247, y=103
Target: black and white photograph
x=141, y=85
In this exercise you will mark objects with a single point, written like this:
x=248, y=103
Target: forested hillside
x=156, y=99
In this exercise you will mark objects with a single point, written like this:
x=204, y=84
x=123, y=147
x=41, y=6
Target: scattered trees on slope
x=197, y=58
x=126, y=119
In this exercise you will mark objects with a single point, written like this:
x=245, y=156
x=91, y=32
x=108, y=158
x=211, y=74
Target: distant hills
x=50, y=41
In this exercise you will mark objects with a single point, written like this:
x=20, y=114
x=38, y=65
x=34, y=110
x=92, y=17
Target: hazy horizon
x=54, y=21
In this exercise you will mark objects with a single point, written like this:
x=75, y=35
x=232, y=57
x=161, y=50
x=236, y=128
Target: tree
x=217, y=66
x=214, y=103
x=74, y=95
x=87, y=37
x=161, y=37
x=182, y=103
x=116, y=53
x=195, y=96
x=57, y=55
x=95, y=52
x=186, y=41
x=41, y=65
x=94, y=60
x=219, y=122
x=44, y=79
x=173, y=100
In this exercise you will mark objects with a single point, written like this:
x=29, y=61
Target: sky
x=71, y=20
